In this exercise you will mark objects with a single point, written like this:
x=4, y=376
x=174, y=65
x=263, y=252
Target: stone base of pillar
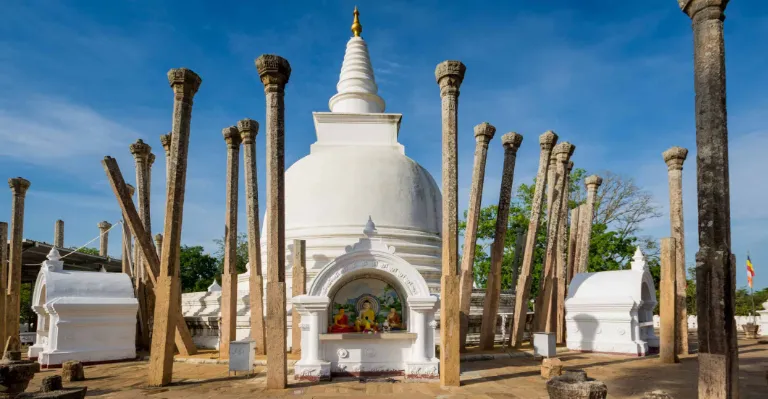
x=449, y=331
x=428, y=370
x=320, y=371
x=276, y=335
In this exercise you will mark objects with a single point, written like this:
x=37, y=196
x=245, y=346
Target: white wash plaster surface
x=85, y=316
x=611, y=311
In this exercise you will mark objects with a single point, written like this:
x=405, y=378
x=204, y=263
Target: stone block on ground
x=657, y=395
x=576, y=386
x=52, y=387
x=551, y=368
x=72, y=371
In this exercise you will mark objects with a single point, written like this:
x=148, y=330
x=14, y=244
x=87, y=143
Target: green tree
x=242, y=253
x=27, y=315
x=197, y=269
x=86, y=250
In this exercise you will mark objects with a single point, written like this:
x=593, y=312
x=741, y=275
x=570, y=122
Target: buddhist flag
x=750, y=272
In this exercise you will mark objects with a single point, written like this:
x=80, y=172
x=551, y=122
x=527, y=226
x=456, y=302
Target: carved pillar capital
x=593, y=182
x=131, y=189
x=150, y=159
x=19, y=186
x=449, y=75
x=712, y=9
x=165, y=141
x=548, y=140
x=569, y=167
x=248, y=129
x=484, y=132
x=511, y=141
x=104, y=226
x=232, y=137
x=563, y=151
x=274, y=71
x=140, y=150
x=674, y=158
x=184, y=83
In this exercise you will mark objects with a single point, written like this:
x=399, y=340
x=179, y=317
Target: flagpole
x=752, y=294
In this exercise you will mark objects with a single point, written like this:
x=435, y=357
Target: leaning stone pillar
x=165, y=141
x=184, y=83
x=667, y=341
x=58, y=234
x=248, y=129
x=144, y=293
x=127, y=241
x=518, y=256
x=573, y=238
x=483, y=134
x=274, y=72
x=715, y=266
x=523, y=290
x=229, y=273
x=3, y=281
x=104, y=227
x=511, y=142
x=674, y=158
x=562, y=252
x=298, y=287
x=19, y=187
x=593, y=183
x=449, y=76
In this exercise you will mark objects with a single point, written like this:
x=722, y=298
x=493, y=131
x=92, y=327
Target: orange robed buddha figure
x=367, y=320
x=394, y=320
x=340, y=323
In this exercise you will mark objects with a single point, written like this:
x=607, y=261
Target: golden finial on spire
x=356, y=27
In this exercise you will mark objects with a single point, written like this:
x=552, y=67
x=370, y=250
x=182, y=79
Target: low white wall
x=694, y=325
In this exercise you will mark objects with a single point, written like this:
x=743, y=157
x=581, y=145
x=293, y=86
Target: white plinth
x=763, y=322
x=241, y=355
x=544, y=344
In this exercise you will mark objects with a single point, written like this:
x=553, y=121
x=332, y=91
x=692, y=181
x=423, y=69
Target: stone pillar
x=562, y=251
x=150, y=162
x=449, y=76
x=229, y=273
x=159, y=244
x=58, y=234
x=274, y=72
x=674, y=158
x=546, y=142
x=248, y=129
x=299, y=287
x=511, y=142
x=545, y=314
x=573, y=239
x=19, y=187
x=593, y=183
x=104, y=227
x=584, y=224
x=165, y=141
x=715, y=266
x=127, y=242
x=667, y=341
x=184, y=83
x=483, y=134
x=3, y=281
x=518, y=257
x=144, y=293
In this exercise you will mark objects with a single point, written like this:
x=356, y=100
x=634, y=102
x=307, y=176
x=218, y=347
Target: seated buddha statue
x=366, y=321
x=340, y=323
x=394, y=320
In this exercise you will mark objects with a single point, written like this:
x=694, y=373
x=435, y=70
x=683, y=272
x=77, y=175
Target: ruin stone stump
x=15, y=373
x=52, y=387
x=576, y=386
x=551, y=367
x=657, y=394
x=72, y=370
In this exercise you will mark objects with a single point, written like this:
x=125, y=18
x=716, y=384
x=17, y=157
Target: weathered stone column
x=562, y=251
x=104, y=227
x=229, y=273
x=674, y=158
x=545, y=316
x=518, y=257
x=593, y=183
x=165, y=141
x=159, y=244
x=483, y=134
x=184, y=83
x=449, y=76
x=274, y=72
x=546, y=142
x=3, y=281
x=573, y=237
x=299, y=287
x=58, y=234
x=511, y=142
x=715, y=266
x=580, y=231
x=144, y=292
x=248, y=129
x=127, y=241
x=19, y=187
x=667, y=340
x=150, y=162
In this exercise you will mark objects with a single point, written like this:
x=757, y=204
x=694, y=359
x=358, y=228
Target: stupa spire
x=357, y=92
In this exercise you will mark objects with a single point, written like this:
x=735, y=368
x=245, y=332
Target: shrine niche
x=368, y=312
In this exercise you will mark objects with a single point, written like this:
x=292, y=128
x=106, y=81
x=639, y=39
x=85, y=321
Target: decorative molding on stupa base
x=422, y=370
x=312, y=372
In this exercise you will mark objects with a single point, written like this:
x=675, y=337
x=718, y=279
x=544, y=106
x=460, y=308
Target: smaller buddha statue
x=366, y=322
x=340, y=323
x=394, y=320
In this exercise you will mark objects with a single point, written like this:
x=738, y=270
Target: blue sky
x=82, y=79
